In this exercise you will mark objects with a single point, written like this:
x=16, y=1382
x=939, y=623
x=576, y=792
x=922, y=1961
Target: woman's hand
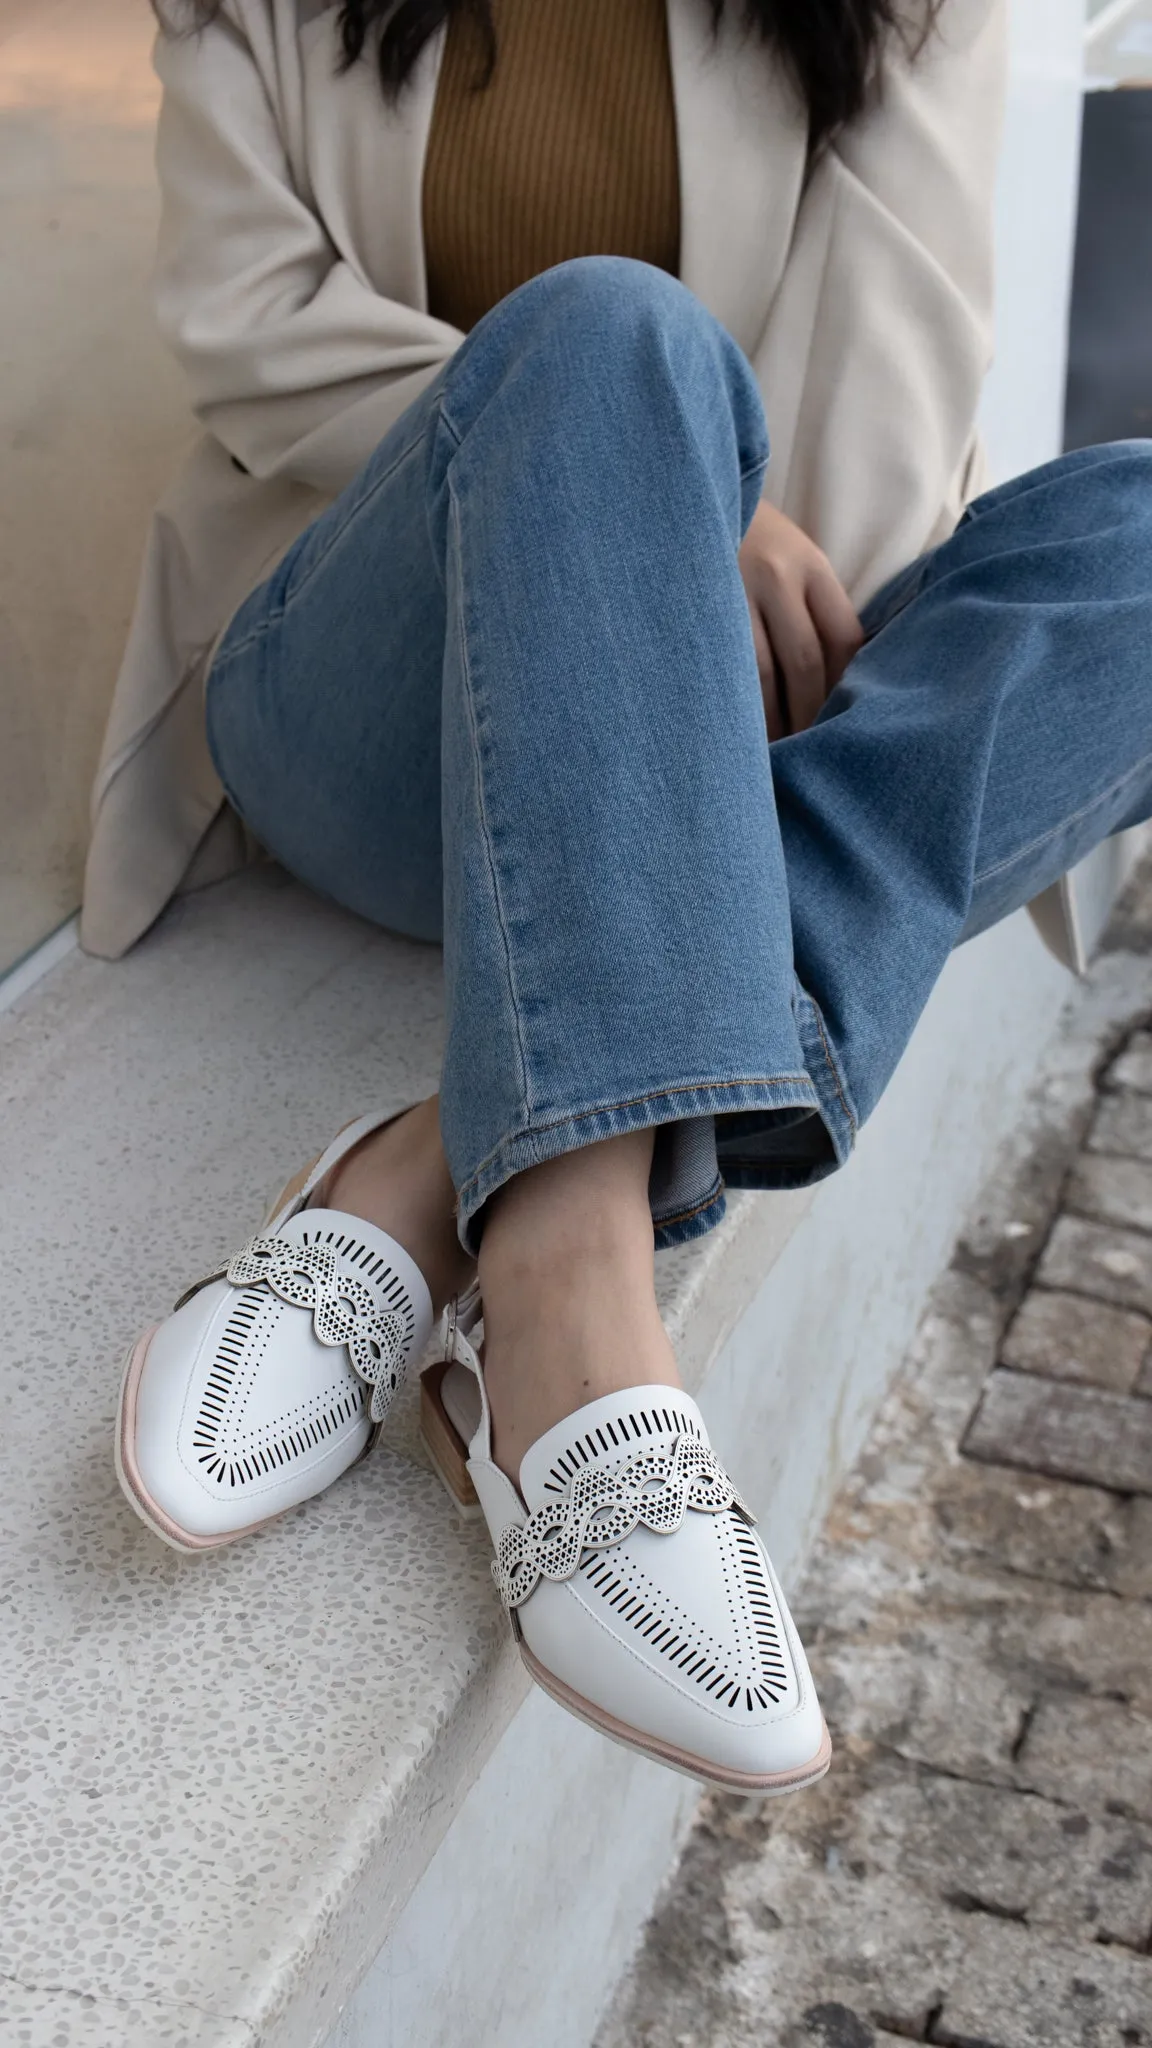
x=803, y=623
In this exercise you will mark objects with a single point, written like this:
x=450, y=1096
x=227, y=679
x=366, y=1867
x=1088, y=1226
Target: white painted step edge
x=36, y=964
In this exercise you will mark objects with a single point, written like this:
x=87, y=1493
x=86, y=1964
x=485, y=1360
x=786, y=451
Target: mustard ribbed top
x=570, y=151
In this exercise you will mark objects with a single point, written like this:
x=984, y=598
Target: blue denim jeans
x=503, y=694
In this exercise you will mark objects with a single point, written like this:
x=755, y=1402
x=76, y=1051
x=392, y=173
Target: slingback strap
x=343, y=1143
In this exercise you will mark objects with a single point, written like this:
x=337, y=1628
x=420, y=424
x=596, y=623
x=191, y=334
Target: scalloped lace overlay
x=599, y=1508
x=343, y=1311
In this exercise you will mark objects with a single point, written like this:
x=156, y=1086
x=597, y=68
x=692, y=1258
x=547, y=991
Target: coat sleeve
x=296, y=365
x=879, y=337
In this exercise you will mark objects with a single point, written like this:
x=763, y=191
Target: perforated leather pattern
x=311, y=1275
x=633, y=1426
x=742, y=1664
x=602, y=1505
x=231, y=1452
x=752, y=1670
x=344, y=1310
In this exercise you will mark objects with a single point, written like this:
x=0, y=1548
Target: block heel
x=444, y=1443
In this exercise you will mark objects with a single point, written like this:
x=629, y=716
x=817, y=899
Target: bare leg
x=566, y=1267
x=567, y=1273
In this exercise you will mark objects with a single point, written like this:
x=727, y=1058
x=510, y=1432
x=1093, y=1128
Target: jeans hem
x=694, y=1222
x=697, y=1212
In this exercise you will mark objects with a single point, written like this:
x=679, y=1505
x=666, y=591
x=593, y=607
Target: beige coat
x=290, y=285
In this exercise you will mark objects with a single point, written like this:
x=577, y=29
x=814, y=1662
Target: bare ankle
x=567, y=1274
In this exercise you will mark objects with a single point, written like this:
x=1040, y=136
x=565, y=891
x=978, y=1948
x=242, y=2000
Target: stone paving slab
x=976, y=1870
x=953, y=1688
x=1066, y=1337
x=1069, y=1432
x=1112, y=1190
x=991, y=1518
x=1009, y=1854
x=1076, y=1642
x=1100, y=1259
x=1123, y=1124
x=820, y=1949
x=1133, y=1068
x=1020, y=1992
x=1095, y=1749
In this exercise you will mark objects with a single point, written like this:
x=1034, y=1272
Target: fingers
x=799, y=656
x=804, y=625
x=769, y=687
x=806, y=633
x=834, y=618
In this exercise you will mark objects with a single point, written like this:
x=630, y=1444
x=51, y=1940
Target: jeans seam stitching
x=225, y=655
x=697, y=1209
x=831, y=1065
x=447, y=421
x=1001, y=867
x=352, y=513
x=581, y=1116
x=485, y=827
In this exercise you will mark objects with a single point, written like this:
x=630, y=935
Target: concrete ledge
x=230, y=1781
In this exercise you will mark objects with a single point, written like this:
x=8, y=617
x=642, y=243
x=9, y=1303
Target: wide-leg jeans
x=503, y=694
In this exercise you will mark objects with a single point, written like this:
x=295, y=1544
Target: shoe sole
x=773, y=1785
x=128, y=1472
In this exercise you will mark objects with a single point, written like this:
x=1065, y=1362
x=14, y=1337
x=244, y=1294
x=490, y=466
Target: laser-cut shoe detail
x=633, y=1427
x=344, y=1309
x=230, y=1446
x=755, y=1673
x=659, y=1622
x=601, y=1505
x=269, y=1380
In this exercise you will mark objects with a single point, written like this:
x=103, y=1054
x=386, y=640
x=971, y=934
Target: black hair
x=830, y=48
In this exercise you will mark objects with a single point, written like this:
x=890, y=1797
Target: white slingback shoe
x=639, y=1594
x=273, y=1376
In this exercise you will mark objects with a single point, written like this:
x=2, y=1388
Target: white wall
x=1023, y=409
x=93, y=415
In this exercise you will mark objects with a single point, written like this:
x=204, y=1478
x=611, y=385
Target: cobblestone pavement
x=977, y=1868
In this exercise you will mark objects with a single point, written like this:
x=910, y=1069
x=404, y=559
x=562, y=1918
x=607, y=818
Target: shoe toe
x=241, y=1413
x=686, y=1640
x=244, y=1401
x=676, y=1638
